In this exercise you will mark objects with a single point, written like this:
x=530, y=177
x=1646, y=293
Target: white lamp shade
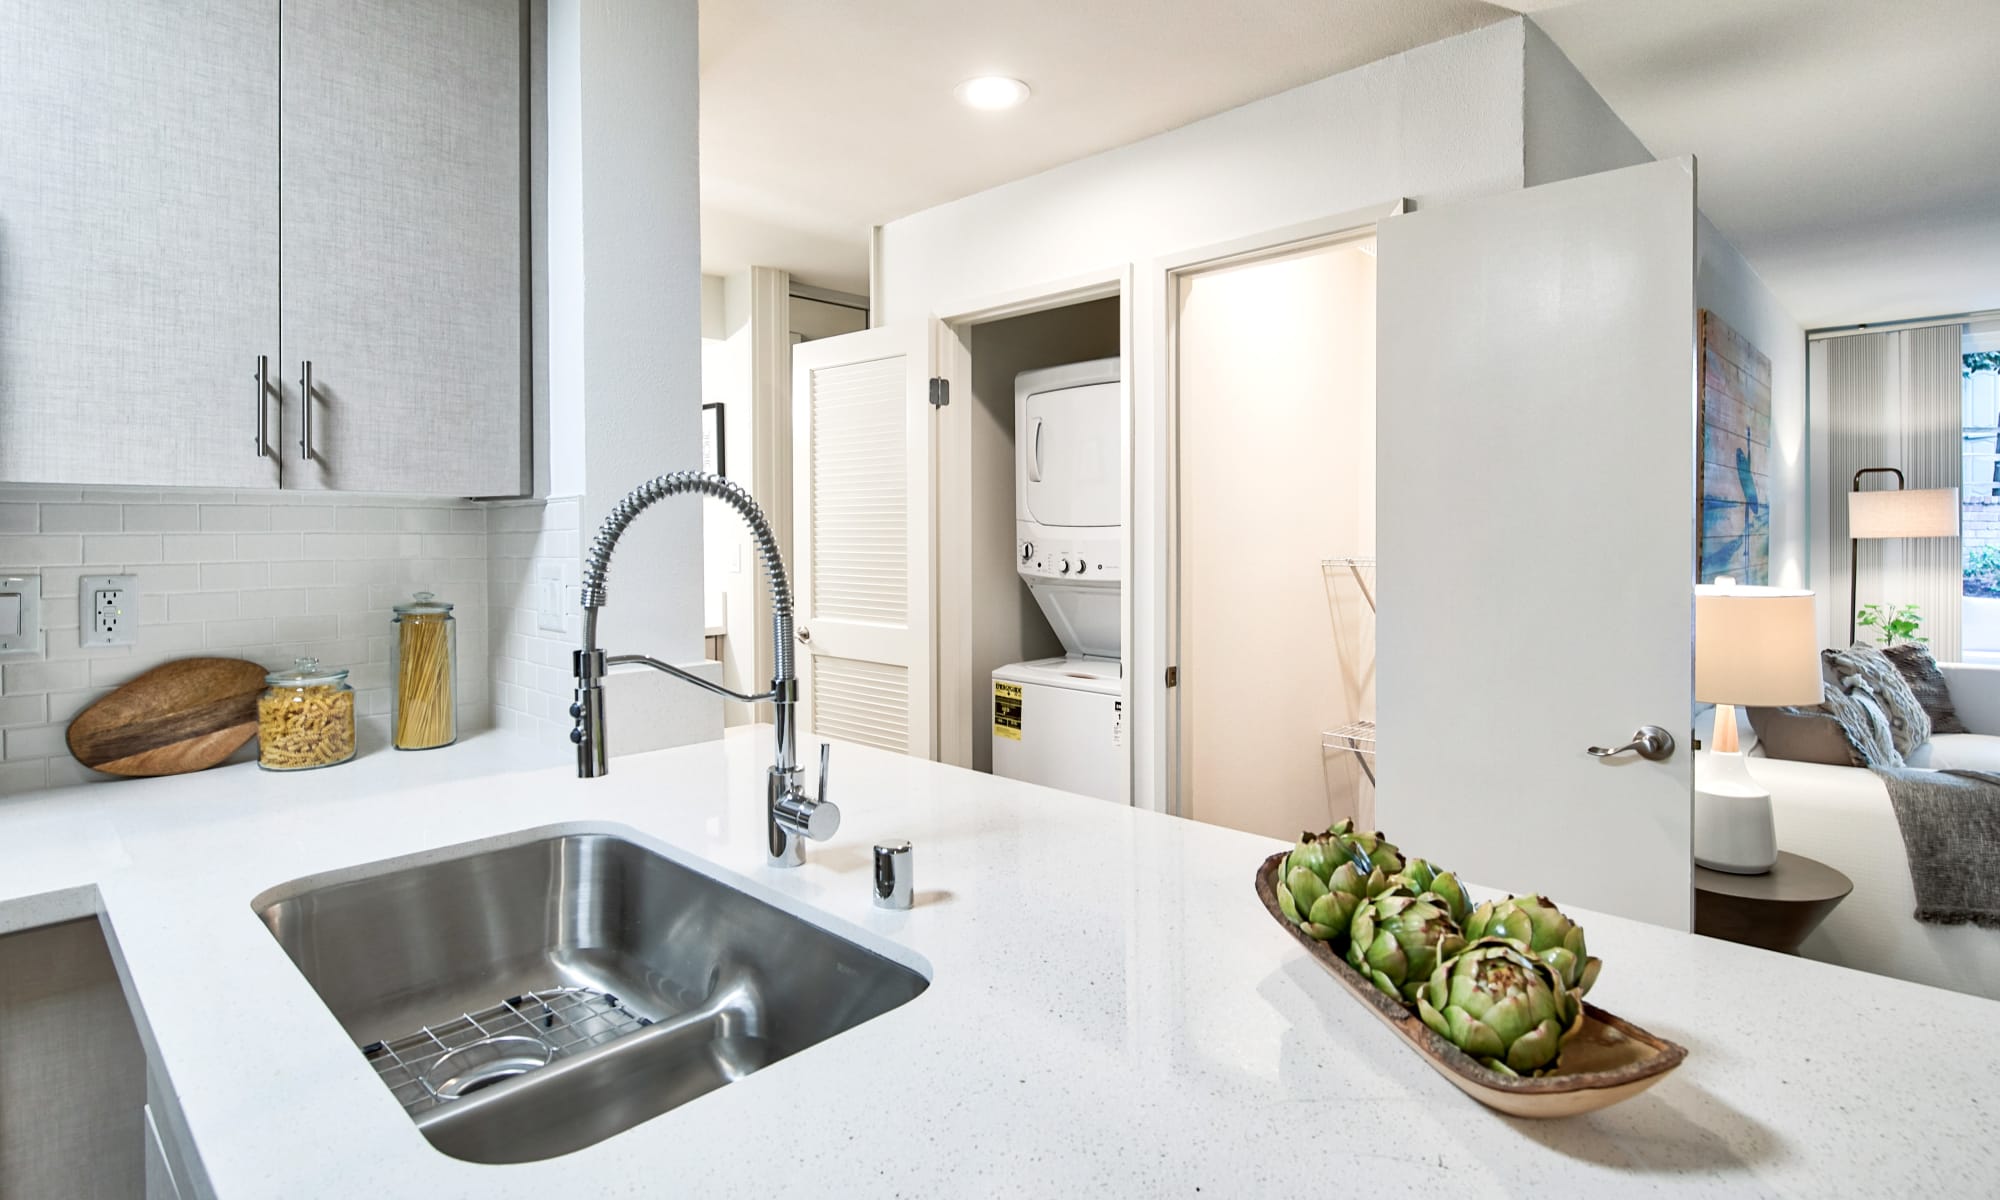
x=1755, y=646
x=1927, y=512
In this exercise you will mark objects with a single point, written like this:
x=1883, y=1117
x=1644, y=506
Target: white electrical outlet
x=107, y=610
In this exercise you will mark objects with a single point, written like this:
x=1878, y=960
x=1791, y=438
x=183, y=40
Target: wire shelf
x=566, y=1020
x=1333, y=568
x=1356, y=736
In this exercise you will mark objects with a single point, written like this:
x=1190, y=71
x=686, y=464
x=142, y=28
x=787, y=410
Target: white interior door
x=1536, y=537
x=861, y=524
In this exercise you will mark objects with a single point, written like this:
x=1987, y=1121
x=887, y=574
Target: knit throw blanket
x=1951, y=830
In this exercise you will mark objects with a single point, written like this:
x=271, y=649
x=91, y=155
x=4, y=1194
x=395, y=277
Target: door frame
x=1165, y=274
x=952, y=325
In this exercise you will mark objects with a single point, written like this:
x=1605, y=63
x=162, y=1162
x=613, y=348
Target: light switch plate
x=107, y=610
x=20, y=631
x=549, y=607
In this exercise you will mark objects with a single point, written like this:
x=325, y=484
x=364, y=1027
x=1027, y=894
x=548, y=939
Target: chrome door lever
x=1650, y=742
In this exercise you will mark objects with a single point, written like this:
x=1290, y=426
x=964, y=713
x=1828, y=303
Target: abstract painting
x=1735, y=474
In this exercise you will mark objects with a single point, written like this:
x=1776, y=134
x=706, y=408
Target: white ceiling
x=821, y=118
x=1847, y=147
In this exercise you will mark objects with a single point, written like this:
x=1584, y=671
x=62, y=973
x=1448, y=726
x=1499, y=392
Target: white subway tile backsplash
x=35, y=741
x=269, y=546
x=301, y=573
x=367, y=520
x=23, y=710
x=234, y=576
x=235, y=518
x=122, y=548
x=271, y=602
x=82, y=518
x=162, y=518
x=201, y=606
x=32, y=676
x=222, y=635
x=173, y=577
x=231, y=573
x=302, y=517
x=31, y=551
x=200, y=547
x=317, y=628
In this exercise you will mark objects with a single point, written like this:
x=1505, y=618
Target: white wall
x=1571, y=131
x=1006, y=625
x=1277, y=386
x=624, y=327
x=1438, y=123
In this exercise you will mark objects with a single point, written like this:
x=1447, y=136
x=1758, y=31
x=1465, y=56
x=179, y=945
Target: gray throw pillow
x=1804, y=735
x=1866, y=724
x=1913, y=660
x=1865, y=668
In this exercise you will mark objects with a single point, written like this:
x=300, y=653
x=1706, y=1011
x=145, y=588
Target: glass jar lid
x=423, y=602
x=306, y=672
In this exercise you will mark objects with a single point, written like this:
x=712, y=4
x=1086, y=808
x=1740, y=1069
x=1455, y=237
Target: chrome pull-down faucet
x=790, y=814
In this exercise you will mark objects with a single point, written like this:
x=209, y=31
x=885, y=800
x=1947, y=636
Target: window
x=1980, y=494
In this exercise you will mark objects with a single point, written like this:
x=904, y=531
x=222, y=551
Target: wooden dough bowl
x=1608, y=1060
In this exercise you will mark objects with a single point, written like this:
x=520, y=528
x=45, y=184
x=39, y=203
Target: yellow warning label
x=1007, y=711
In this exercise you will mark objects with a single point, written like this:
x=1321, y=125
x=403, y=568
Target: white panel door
x=861, y=528
x=138, y=242
x=403, y=162
x=1536, y=537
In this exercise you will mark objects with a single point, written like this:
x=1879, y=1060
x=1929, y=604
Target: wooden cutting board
x=187, y=715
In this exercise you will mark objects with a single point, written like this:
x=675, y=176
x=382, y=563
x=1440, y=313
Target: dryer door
x=1068, y=445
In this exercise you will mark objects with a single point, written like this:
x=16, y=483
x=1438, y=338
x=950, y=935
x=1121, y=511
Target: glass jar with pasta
x=425, y=711
x=305, y=718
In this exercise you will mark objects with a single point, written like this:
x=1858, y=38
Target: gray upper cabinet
x=188, y=186
x=402, y=152
x=138, y=241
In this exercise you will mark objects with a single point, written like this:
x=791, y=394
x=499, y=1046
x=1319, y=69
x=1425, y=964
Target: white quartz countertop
x=1111, y=1012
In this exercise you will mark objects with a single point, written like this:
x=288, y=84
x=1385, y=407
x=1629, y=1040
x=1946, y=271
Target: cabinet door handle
x=306, y=410
x=263, y=390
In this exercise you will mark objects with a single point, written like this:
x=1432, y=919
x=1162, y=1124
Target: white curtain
x=1895, y=400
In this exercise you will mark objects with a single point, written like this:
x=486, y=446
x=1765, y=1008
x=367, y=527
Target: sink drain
x=440, y=1063
x=483, y=1064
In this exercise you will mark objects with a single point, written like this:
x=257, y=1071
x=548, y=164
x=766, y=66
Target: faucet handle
x=816, y=819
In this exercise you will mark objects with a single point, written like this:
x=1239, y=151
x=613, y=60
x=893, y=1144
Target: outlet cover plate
x=107, y=610
x=26, y=591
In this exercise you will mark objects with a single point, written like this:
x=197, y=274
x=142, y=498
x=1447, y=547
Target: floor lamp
x=1892, y=513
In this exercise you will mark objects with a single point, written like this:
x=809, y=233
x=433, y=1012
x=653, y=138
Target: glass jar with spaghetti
x=305, y=718
x=425, y=711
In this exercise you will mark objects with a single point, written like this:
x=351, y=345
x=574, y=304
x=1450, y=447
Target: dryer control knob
x=1082, y=565
x=1027, y=551
x=1064, y=568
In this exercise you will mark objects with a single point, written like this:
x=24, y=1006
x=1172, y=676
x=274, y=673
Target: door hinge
x=940, y=392
x=1173, y=676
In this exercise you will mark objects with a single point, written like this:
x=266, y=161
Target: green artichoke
x=1324, y=904
x=1303, y=892
x=1502, y=1005
x=1382, y=853
x=1536, y=923
x=1423, y=878
x=1397, y=939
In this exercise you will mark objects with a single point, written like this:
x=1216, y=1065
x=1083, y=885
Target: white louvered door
x=861, y=528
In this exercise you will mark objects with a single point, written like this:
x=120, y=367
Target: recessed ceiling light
x=991, y=92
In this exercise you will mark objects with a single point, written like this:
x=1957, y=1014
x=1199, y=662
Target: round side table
x=1777, y=910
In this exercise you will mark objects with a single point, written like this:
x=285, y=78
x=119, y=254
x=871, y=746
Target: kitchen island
x=1111, y=1011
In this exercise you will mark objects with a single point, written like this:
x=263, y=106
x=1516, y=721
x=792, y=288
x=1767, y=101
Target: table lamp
x=1896, y=512
x=1752, y=646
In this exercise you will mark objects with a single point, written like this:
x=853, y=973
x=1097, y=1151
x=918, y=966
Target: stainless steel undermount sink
x=528, y=1001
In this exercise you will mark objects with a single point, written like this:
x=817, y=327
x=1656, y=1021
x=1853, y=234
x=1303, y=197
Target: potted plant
x=1897, y=623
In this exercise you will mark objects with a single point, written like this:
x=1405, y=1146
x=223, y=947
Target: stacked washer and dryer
x=1060, y=722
